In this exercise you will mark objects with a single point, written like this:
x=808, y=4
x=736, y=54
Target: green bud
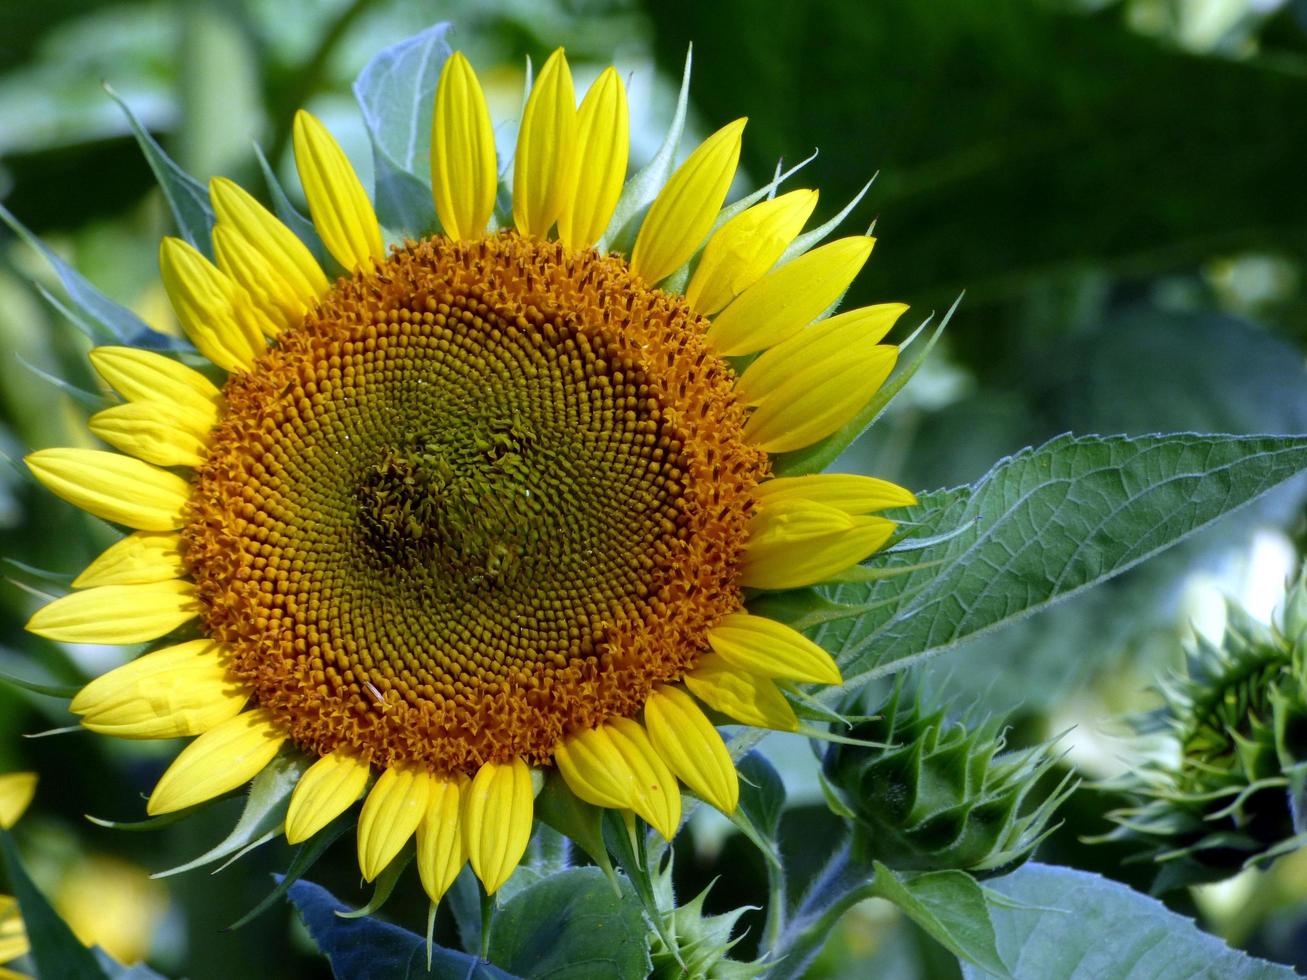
x=703, y=941
x=939, y=795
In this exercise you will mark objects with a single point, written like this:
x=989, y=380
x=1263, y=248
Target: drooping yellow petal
x=546, y=151
x=602, y=148
x=763, y=646
x=441, y=851
x=174, y=692
x=748, y=698
x=689, y=744
x=787, y=299
x=744, y=248
x=223, y=758
x=819, y=346
x=144, y=376
x=464, y=177
x=339, y=205
x=138, y=559
x=848, y=492
x=263, y=255
x=390, y=816
x=112, y=486
x=153, y=432
x=684, y=211
x=803, y=542
x=117, y=613
x=16, y=792
x=594, y=768
x=657, y=798
x=215, y=313
x=497, y=815
x=327, y=789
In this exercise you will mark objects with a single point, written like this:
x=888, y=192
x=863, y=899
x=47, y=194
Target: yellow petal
x=215, y=313
x=542, y=166
x=390, y=816
x=603, y=144
x=689, y=744
x=497, y=816
x=803, y=542
x=821, y=344
x=115, y=487
x=220, y=760
x=464, y=177
x=138, y=559
x=684, y=211
x=144, y=376
x=744, y=248
x=764, y=646
x=117, y=613
x=174, y=692
x=594, y=768
x=153, y=432
x=848, y=492
x=787, y=299
x=339, y=205
x=16, y=792
x=657, y=798
x=746, y=697
x=13, y=937
x=327, y=789
x=441, y=852
x=263, y=255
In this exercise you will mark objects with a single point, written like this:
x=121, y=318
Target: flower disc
x=485, y=496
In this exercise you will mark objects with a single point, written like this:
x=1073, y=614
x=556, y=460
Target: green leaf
x=558, y=807
x=1062, y=924
x=1044, y=525
x=572, y=925
x=305, y=857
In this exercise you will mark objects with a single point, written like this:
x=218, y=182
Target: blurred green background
x=1117, y=186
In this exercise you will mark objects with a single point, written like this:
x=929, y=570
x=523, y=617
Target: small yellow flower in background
x=16, y=792
x=111, y=903
x=488, y=503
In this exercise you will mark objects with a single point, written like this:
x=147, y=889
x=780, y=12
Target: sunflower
x=490, y=502
x=16, y=791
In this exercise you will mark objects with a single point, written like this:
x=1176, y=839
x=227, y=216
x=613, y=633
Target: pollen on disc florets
x=485, y=496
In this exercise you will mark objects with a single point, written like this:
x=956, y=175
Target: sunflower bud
x=939, y=794
x=702, y=941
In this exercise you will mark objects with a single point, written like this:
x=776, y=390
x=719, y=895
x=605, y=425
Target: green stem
x=487, y=919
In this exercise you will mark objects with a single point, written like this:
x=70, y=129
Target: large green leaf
x=1041, y=526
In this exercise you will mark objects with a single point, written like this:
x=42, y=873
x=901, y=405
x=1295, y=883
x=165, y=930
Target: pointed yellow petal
x=748, y=698
x=153, y=432
x=174, y=692
x=215, y=313
x=497, y=816
x=787, y=299
x=657, y=798
x=138, y=559
x=691, y=747
x=542, y=166
x=603, y=145
x=327, y=789
x=390, y=816
x=263, y=255
x=339, y=205
x=848, y=492
x=764, y=646
x=821, y=345
x=16, y=792
x=464, y=177
x=595, y=770
x=744, y=248
x=684, y=211
x=117, y=613
x=220, y=760
x=441, y=852
x=115, y=487
x=803, y=542
x=144, y=376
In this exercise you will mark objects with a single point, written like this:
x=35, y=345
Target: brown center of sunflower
x=485, y=496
